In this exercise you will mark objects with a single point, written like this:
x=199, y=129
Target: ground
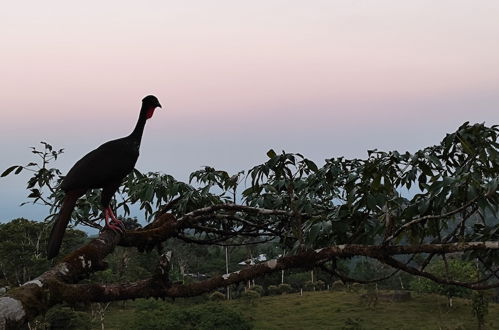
x=341, y=310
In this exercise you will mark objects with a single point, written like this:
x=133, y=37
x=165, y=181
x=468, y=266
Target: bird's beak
x=159, y=105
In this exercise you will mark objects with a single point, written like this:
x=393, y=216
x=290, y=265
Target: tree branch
x=54, y=286
x=429, y=217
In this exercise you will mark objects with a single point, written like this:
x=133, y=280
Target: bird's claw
x=117, y=227
x=112, y=222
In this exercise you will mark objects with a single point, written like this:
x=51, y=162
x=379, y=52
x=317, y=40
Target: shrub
x=456, y=269
x=67, y=318
x=309, y=286
x=236, y=290
x=320, y=285
x=338, y=285
x=353, y=324
x=479, y=307
x=355, y=287
x=217, y=296
x=285, y=288
x=149, y=304
x=217, y=316
x=250, y=296
x=296, y=280
x=273, y=290
x=202, y=317
x=258, y=288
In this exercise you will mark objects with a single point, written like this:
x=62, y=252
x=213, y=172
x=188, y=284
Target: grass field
x=342, y=310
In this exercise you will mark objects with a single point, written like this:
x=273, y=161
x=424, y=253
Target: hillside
x=341, y=310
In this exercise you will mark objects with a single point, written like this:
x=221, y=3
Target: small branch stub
x=163, y=269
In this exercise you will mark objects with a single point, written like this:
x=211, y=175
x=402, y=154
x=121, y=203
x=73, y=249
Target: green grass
x=338, y=310
x=333, y=310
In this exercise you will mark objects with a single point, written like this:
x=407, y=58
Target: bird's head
x=149, y=104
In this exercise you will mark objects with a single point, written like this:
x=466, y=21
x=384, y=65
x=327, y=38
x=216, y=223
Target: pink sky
x=324, y=78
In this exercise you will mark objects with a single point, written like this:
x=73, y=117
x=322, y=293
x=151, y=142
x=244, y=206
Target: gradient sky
x=323, y=78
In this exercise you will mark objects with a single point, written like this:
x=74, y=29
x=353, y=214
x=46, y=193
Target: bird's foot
x=115, y=227
x=112, y=222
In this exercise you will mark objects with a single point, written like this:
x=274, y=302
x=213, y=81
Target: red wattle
x=149, y=113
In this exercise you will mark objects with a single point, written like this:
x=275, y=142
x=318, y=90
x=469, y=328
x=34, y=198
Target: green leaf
x=148, y=193
x=376, y=182
x=313, y=233
x=311, y=165
x=271, y=153
x=492, y=186
x=10, y=169
x=423, y=206
x=371, y=202
x=126, y=209
x=422, y=178
x=466, y=146
x=34, y=193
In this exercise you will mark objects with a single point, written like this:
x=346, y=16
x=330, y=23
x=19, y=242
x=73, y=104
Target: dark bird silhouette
x=104, y=167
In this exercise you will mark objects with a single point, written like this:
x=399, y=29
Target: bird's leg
x=113, y=224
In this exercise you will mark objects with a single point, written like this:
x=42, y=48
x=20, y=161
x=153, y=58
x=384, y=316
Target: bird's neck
x=136, y=135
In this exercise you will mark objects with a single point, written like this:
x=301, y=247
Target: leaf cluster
x=440, y=194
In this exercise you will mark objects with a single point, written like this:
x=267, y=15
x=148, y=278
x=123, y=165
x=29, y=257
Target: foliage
x=445, y=193
x=285, y=288
x=126, y=265
x=217, y=296
x=479, y=307
x=352, y=324
x=296, y=279
x=366, y=269
x=44, y=178
x=453, y=268
x=338, y=285
x=344, y=201
x=320, y=285
x=258, y=288
x=273, y=290
x=206, y=316
x=22, y=249
x=250, y=296
x=64, y=317
x=355, y=287
x=309, y=286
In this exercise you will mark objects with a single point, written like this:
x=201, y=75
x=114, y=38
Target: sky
x=236, y=78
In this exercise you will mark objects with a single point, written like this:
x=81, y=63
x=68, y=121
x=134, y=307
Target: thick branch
x=52, y=286
x=56, y=285
x=163, y=228
x=347, y=279
x=232, y=207
x=23, y=303
x=151, y=288
x=411, y=270
x=166, y=226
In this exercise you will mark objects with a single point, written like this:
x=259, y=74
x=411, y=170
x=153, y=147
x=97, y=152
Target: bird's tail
x=60, y=224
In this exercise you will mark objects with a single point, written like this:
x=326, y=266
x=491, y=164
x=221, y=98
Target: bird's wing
x=110, y=162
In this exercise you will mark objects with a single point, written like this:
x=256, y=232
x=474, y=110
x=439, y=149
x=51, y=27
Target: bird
x=104, y=167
